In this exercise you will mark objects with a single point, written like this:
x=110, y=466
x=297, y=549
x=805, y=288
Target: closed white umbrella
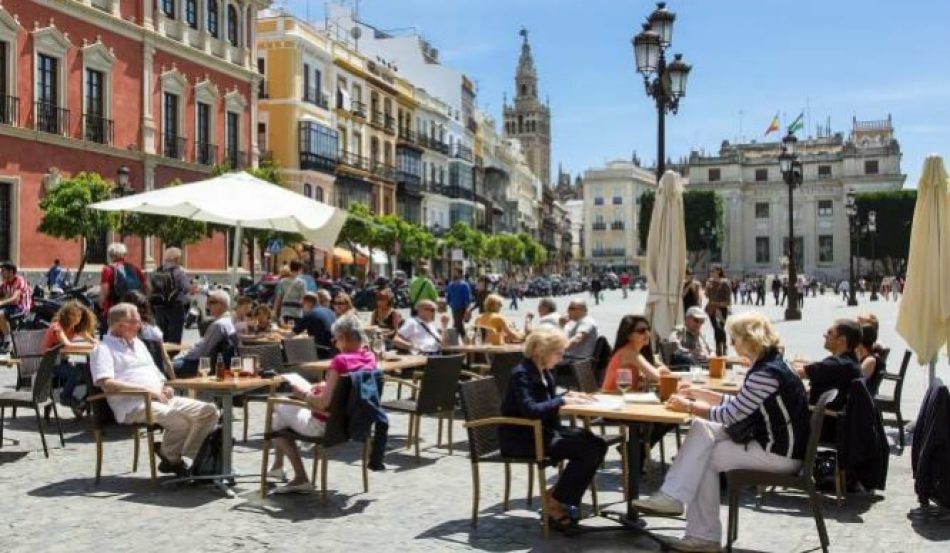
x=242, y=201
x=666, y=257
x=923, y=319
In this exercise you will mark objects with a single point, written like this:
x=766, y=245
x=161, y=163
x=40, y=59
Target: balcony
x=389, y=123
x=409, y=183
x=9, y=110
x=617, y=225
x=310, y=161
x=97, y=129
x=407, y=136
x=317, y=98
x=206, y=154
x=609, y=252
x=358, y=109
x=173, y=146
x=463, y=152
x=455, y=191
x=354, y=161
x=236, y=159
x=384, y=171
x=433, y=186
x=377, y=119
x=50, y=118
x=598, y=226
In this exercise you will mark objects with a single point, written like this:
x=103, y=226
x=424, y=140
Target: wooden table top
x=85, y=348
x=243, y=384
x=389, y=365
x=484, y=348
x=721, y=386
x=626, y=412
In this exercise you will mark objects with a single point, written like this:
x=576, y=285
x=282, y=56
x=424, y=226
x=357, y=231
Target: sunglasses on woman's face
x=641, y=330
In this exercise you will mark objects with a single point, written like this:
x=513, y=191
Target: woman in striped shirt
x=763, y=427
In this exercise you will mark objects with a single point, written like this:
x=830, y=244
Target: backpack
x=209, y=460
x=124, y=280
x=164, y=288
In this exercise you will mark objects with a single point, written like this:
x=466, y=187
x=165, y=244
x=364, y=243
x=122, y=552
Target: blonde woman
x=343, y=305
x=771, y=409
x=492, y=319
x=532, y=394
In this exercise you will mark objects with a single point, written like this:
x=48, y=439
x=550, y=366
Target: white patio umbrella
x=242, y=201
x=923, y=319
x=666, y=257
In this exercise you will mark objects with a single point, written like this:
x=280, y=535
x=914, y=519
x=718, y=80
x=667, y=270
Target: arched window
x=319, y=197
x=308, y=189
x=232, y=25
x=524, y=90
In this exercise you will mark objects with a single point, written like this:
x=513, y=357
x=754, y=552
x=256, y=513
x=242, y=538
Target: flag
x=798, y=124
x=773, y=126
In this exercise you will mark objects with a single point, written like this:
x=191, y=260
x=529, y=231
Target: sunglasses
x=641, y=330
x=340, y=303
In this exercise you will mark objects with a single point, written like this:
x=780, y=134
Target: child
x=73, y=323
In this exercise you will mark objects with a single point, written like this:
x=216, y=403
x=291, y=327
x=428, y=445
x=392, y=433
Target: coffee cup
x=717, y=366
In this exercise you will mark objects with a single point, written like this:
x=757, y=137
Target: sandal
x=561, y=524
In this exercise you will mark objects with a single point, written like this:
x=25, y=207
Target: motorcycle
x=47, y=303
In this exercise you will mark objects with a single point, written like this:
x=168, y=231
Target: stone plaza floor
x=53, y=505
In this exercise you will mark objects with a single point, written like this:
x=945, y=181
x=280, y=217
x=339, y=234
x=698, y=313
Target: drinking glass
x=697, y=374
x=624, y=380
x=379, y=347
x=204, y=367
x=235, y=368
x=729, y=376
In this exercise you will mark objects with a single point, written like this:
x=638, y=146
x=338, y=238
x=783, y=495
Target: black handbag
x=743, y=431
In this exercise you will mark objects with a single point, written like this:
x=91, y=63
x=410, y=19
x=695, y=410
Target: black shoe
x=178, y=468
x=377, y=467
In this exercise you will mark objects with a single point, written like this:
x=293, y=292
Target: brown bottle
x=219, y=369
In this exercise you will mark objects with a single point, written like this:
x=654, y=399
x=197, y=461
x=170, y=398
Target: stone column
x=147, y=20
x=255, y=153
x=148, y=167
x=148, y=120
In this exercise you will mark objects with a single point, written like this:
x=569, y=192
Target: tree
x=894, y=210
x=66, y=212
x=172, y=231
x=699, y=208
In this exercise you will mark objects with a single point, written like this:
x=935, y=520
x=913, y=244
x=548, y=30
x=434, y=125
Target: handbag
x=743, y=431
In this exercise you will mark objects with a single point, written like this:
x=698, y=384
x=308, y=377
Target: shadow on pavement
x=931, y=523
x=303, y=507
x=796, y=504
x=135, y=489
x=12, y=456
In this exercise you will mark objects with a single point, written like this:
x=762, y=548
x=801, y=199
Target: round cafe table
x=390, y=364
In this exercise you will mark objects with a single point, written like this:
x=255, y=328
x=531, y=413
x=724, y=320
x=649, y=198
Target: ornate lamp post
x=122, y=188
x=668, y=82
x=851, y=209
x=791, y=169
x=872, y=231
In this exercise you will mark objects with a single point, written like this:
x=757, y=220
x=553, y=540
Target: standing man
x=54, y=276
x=514, y=292
x=289, y=304
x=169, y=297
x=458, y=295
x=624, y=283
x=421, y=288
x=16, y=299
x=595, y=287
x=776, y=288
x=719, y=292
x=117, y=279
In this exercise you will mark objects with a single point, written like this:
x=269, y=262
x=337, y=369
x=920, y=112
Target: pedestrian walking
x=719, y=292
x=595, y=287
x=624, y=283
x=458, y=295
x=169, y=295
x=514, y=290
x=776, y=288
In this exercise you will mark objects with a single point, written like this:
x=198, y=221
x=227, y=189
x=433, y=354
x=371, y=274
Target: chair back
x=899, y=383
x=814, y=435
x=225, y=350
x=155, y=348
x=601, y=357
x=501, y=366
x=481, y=400
x=269, y=354
x=28, y=348
x=584, y=375
x=440, y=380
x=336, y=430
x=666, y=349
x=102, y=415
x=43, y=381
x=300, y=350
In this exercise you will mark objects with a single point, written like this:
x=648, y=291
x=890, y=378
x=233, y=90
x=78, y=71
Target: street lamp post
x=872, y=231
x=791, y=169
x=851, y=209
x=668, y=82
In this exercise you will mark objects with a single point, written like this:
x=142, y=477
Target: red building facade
x=164, y=88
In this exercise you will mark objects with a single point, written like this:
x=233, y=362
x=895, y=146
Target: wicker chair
x=892, y=403
x=39, y=395
x=299, y=350
x=28, y=349
x=271, y=359
x=501, y=366
x=433, y=395
x=804, y=481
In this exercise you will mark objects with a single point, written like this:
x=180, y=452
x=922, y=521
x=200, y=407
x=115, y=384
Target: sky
x=751, y=59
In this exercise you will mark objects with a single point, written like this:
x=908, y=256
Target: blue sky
x=843, y=57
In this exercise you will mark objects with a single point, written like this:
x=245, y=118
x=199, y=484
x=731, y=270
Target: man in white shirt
x=547, y=315
x=121, y=362
x=581, y=331
x=419, y=334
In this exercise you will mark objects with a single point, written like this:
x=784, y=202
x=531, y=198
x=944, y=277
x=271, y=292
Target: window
x=97, y=127
x=357, y=144
x=319, y=147
x=213, y=18
x=799, y=250
x=826, y=248
x=598, y=201
x=6, y=220
x=191, y=13
x=319, y=195
x=232, y=140
x=761, y=210
x=762, y=253
x=6, y=105
x=48, y=116
x=825, y=208
x=232, y=25
x=173, y=144
x=307, y=96
x=618, y=200
x=761, y=175
x=824, y=171
x=308, y=189
x=870, y=167
x=715, y=175
x=262, y=136
x=168, y=6
x=205, y=150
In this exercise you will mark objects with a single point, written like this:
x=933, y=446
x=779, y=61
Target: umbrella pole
x=235, y=257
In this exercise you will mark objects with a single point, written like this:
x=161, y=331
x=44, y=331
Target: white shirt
x=551, y=319
x=115, y=358
x=421, y=335
x=585, y=348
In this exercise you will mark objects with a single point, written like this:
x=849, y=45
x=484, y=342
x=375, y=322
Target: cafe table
x=721, y=385
x=635, y=416
x=390, y=364
x=224, y=390
x=483, y=348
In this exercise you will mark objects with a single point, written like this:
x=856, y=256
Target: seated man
x=317, y=321
x=16, y=299
x=547, y=315
x=691, y=346
x=419, y=334
x=581, y=330
x=218, y=338
x=122, y=362
x=836, y=371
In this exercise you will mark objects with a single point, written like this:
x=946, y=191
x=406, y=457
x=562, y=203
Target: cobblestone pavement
x=53, y=505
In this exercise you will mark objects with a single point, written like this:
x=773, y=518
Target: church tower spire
x=526, y=78
x=528, y=119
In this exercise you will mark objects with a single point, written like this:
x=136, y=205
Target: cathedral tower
x=528, y=119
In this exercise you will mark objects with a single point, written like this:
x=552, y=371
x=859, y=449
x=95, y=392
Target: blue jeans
x=69, y=375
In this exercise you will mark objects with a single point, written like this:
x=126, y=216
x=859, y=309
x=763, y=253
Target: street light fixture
x=851, y=210
x=122, y=178
x=791, y=168
x=872, y=231
x=668, y=82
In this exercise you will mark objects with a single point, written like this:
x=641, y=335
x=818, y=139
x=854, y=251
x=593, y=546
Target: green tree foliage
x=699, y=207
x=894, y=210
x=172, y=231
x=66, y=212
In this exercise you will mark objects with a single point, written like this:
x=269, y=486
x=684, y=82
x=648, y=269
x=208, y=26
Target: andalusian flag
x=773, y=126
x=798, y=124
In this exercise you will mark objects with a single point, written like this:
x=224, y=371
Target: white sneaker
x=659, y=504
x=691, y=544
x=277, y=474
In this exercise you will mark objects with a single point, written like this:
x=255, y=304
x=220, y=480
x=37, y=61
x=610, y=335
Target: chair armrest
x=412, y=385
x=534, y=424
x=828, y=412
x=283, y=400
x=146, y=396
x=471, y=375
x=891, y=376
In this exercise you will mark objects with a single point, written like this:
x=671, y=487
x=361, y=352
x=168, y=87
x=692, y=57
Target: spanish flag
x=773, y=126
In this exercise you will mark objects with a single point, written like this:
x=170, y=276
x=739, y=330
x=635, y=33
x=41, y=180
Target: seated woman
x=260, y=322
x=150, y=334
x=769, y=422
x=241, y=314
x=353, y=356
x=384, y=316
x=871, y=359
x=531, y=394
x=73, y=323
x=632, y=350
x=501, y=331
x=343, y=305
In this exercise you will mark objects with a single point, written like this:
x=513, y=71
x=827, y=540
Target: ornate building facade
x=528, y=119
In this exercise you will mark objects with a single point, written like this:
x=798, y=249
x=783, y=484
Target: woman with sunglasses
x=384, y=316
x=633, y=351
x=343, y=305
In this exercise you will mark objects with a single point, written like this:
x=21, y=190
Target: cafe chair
x=803, y=481
x=28, y=350
x=299, y=350
x=434, y=394
x=40, y=395
x=501, y=366
x=271, y=359
x=335, y=433
x=892, y=403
